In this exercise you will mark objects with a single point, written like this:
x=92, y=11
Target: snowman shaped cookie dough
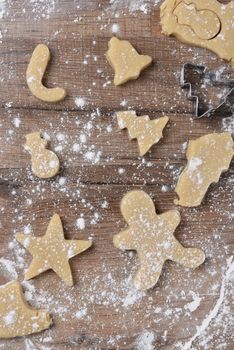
x=45, y=163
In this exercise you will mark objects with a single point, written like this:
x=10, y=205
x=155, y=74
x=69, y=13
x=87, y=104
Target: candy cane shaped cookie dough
x=35, y=72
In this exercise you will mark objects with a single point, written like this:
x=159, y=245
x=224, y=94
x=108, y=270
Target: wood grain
x=116, y=315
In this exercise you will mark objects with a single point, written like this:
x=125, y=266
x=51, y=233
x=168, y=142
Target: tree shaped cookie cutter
x=224, y=107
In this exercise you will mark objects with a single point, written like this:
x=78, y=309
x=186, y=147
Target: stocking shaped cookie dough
x=45, y=163
x=35, y=73
x=146, y=131
x=152, y=236
x=208, y=156
x=125, y=60
x=17, y=318
x=207, y=24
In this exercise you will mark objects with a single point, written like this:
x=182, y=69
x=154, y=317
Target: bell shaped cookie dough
x=52, y=251
x=146, y=131
x=207, y=24
x=17, y=318
x=35, y=73
x=45, y=163
x=152, y=236
x=125, y=60
x=208, y=156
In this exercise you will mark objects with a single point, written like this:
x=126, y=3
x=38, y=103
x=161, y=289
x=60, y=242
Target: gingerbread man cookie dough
x=152, y=236
x=35, y=73
x=17, y=318
x=45, y=163
x=125, y=60
x=146, y=131
x=207, y=24
x=52, y=251
x=208, y=156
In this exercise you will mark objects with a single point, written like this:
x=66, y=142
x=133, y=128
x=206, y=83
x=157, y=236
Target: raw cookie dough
x=125, y=60
x=208, y=156
x=45, y=163
x=52, y=251
x=151, y=235
x=17, y=318
x=146, y=131
x=35, y=72
x=201, y=23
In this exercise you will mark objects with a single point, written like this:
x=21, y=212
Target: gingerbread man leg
x=188, y=257
x=149, y=272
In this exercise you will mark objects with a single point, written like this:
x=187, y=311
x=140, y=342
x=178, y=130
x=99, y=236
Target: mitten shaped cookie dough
x=152, y=236
x=17, y=318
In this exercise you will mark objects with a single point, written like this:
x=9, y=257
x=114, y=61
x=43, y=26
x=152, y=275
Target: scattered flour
x=42, y=8
x=80, y=223
x=145, y=341
x=62, y=181
x=194, y=304
x=9, y=268
x=194, y=164
x=80, y=102
x=10, y=317
x=143, y=6
x=16, y=122
x=115, y=28
x=2, y=8
x=228, y=124
x=81, y=313
x=214, y=312
x=92, y=157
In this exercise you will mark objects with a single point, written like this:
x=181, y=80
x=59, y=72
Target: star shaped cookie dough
x=151, y=235
x=52, y=251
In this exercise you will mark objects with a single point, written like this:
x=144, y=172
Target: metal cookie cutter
x=225, y=106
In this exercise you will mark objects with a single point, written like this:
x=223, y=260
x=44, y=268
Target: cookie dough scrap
x=52, y=251
x=17, y=318
x=208, y=156
x=45, y=163
x=35, y=73
x=125, y=60
x=146, y=131
x=151, y=235
x=207, y=24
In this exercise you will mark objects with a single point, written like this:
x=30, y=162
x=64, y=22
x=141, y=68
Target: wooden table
x=102, y=310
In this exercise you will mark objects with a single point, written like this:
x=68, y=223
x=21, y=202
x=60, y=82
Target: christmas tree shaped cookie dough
x=208, y=156
x=17, y=318
x=125, y=60
x=207, y=24
x=146, y=131
x=151, y=235
x=52, y=251
x=35, y=72
x=45, y=163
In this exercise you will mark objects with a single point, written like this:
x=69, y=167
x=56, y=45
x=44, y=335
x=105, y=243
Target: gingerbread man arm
x=124, y=240
x=171, y=218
